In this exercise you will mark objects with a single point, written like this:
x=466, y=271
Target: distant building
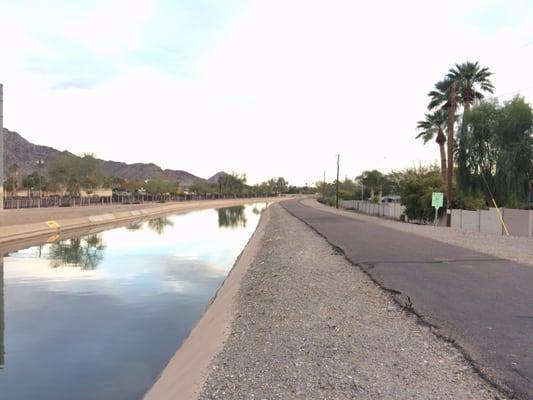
x=392, y=198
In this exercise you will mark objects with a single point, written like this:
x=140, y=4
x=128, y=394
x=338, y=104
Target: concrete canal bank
x=18, y=226
x=295, y=320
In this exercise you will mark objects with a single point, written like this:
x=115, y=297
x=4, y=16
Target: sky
x=268, y=88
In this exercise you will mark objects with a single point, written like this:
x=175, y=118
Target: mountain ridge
x=25, y=154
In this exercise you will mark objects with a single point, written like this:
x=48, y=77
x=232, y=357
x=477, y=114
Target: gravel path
x=309, y=325
x=514, y=248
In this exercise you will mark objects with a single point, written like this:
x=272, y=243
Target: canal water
x=99, y=316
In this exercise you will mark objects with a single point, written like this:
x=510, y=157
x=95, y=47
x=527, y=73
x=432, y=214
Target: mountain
x=214, y=179
x=26, y=154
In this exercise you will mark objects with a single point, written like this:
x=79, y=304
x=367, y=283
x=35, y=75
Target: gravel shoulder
x=307, y=324
x=514, y=248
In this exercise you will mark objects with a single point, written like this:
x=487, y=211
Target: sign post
x=437, y=201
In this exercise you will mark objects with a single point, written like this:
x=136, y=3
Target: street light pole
x=40, y=163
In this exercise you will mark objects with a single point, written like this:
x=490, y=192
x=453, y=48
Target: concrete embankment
x=296, y=320
x=185, y=374
x=18, y=226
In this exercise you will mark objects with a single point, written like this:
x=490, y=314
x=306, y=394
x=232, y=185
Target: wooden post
x=337, y=188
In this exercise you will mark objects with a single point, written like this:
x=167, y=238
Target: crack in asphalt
x=409, y=309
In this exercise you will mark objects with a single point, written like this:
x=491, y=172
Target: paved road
x=482, y=302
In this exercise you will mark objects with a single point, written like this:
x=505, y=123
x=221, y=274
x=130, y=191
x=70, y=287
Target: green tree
x=202, y=188
x=14, y=171
x=132, y=186
x=375, y=181
x=417, y=190
x=232, y=183
x=113, y=182
x=281, y=185
x=472, y=82
x=73, y=173
x=496, y=151
x=433, y=127
x=160, y=186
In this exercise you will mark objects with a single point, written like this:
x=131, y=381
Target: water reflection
x=1, y=312
x=158, y=225
x=232, y=217
x=109, y=326
x=134, y=227
x=84, y=252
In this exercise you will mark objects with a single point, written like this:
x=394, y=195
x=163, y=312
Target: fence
x=388, y=210
x=67, y=201
x=518, y=222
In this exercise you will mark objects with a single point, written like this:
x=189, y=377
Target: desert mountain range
x=25, y=154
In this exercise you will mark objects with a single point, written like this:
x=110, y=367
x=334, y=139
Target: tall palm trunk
x=466, y=110
x=441, y=140
x=449, y=172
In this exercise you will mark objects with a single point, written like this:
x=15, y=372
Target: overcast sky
x=270, y=88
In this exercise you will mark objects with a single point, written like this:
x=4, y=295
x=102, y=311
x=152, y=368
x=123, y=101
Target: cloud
x=271, y=88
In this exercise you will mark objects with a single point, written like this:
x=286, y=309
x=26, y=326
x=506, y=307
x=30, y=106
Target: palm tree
x=471, y=81
x=14, y=172
x=440, y=95
x=434, y=125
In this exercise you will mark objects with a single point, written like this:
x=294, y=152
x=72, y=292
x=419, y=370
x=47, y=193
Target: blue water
x=100, y=315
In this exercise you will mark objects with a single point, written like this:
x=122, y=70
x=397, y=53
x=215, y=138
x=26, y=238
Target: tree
x=471, y=81
x=281, y=185
x=202, y=188
x=10, y=185
x=14, y=171
x=495, y=152
x=417, y=192
x=73, y=173
x=433, y=126
x=159, y=186
x=132, y=186
x=34, y=181
x=113, y=182
x=375, y=181
x=232, y=183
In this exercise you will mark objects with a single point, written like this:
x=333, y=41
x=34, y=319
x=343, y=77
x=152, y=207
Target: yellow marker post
x=53, y=225
x=501, y=217
x=52, y=239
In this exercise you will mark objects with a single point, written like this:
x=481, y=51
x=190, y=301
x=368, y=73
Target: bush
x=417, y=193
x=470, y=202
x=329, y=201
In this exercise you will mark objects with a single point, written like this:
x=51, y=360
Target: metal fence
x=67, y=201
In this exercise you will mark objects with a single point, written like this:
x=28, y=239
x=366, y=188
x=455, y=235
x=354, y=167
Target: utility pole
x=1, y=147
x=324, y=186
x=337, y=189
x=449, y=172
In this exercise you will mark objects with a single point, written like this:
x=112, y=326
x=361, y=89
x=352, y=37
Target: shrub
x=417, y=193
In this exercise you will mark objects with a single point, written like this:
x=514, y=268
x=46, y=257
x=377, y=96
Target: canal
x=99, y=316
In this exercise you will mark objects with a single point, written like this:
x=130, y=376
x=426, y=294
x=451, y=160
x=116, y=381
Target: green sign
x=437, y=199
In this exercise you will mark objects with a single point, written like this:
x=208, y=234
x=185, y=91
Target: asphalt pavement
x=483, y=303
